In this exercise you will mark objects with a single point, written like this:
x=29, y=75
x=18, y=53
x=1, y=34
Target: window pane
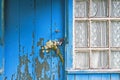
x=99, y=34
x=81, y=34
x=82, y=60
x=81, y=8
x=115, y=8
x=94, y=32
x=99, y=59
x=115, y=59
x=115, y=33
x=99, y=8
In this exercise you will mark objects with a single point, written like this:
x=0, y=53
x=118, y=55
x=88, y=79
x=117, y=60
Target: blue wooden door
x=29, y=24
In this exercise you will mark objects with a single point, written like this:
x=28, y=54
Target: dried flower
x=43, y=51
x=53, y=45
x=47, y=51
x=49, y=44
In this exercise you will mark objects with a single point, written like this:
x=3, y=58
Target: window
x=96, y=34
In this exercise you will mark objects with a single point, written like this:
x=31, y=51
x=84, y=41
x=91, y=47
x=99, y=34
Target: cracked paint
x=41, y=69
x=32, y=63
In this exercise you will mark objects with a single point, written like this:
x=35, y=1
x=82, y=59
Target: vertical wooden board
x=42, y=35
x=26, y=24
x=1, y=54
x=18, y=39
x=69, y=46
x=43, y=20
x=26, y=31
x=1, y=36
x=115, y=77
x=0, y=19
x=0, y=16
x=105, y=77
x=11, y=38
x=58, y=24
x=82, y=77
x=95, y=77
x=70, y=77
x=1, y=57
x=58, y=18
x=1, y=61
x=1, y=77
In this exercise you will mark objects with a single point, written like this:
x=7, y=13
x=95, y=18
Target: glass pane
x=115, y=59
x=82, y=60
x=99, y=8
x=81, y=8
x=99, y=59
x=115, y=9
x=99, y=34
x=81, y=34
x=115, y=33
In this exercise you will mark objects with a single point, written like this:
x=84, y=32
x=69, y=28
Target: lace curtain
x=95, y=34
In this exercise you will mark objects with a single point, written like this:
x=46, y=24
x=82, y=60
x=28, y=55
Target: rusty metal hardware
x=57, y=31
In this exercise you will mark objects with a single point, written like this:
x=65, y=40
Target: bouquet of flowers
x=53, y=45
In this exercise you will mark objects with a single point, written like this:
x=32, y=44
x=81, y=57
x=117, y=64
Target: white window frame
x=109, y=48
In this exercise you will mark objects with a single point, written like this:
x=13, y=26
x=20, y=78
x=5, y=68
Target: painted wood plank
x=26, y=30
x=11, y=37
x=43, y=30
x=82, y=77
x=92, y=77
x=1, y=59
x=105, y=77
x=95, y=77
x=69, y=46
x=1, y=77
x=19, y=28
x=115, y=77
x=0, y=19
x=58, y=19
x=70, y=77
x=1, y=36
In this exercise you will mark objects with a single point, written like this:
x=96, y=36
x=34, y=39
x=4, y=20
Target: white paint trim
x=73, y=71
x=97, y=19
x=73, y=33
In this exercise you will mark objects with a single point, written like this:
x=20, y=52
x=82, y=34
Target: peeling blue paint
x=28, y=25
x=33, y=23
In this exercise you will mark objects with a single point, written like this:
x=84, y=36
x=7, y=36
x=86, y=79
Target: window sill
x=92, y=71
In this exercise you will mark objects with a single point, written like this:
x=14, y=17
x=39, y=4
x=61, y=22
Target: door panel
x=29, y=25
x=58, y=25
x=12, y=38
x=43, y=34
